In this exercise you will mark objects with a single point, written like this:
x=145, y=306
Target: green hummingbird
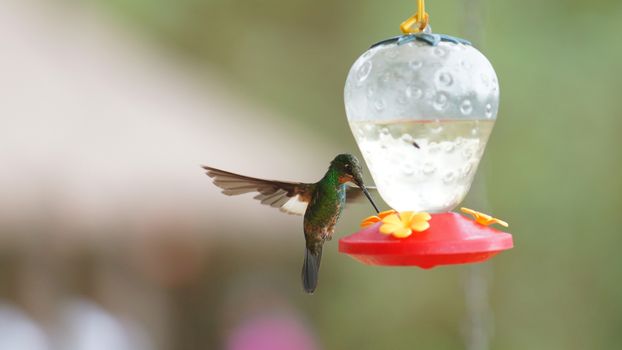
x=321, y=203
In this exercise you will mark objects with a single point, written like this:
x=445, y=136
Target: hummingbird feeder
x=421, y=107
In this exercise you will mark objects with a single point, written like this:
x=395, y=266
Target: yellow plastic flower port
x=482, y=218
x=370, y=220
x=403, y=224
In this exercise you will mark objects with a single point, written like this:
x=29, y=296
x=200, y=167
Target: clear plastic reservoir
x=443, y=99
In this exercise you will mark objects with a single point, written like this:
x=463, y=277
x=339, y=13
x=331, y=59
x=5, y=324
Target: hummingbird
x=321, y=203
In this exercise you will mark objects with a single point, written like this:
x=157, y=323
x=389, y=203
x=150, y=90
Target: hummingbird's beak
x=359, y=182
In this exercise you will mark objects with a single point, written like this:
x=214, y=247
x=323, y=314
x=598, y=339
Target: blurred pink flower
x=271, y=332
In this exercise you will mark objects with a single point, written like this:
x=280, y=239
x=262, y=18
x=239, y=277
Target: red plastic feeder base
x=451, y=239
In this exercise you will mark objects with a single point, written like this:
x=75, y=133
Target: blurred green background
x=551, y=169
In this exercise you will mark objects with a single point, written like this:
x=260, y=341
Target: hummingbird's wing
x=289, y=197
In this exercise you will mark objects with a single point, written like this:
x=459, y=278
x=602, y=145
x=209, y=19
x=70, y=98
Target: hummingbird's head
x=349, y=170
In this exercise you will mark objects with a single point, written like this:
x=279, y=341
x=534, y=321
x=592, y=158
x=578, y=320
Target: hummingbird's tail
x=311, y=269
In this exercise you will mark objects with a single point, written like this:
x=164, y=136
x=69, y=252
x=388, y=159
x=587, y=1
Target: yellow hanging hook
x=418, y=21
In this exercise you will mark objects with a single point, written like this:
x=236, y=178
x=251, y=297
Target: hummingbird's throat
x=345, y=178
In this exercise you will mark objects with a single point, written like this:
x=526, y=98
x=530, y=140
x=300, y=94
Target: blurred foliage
x=552, y=166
